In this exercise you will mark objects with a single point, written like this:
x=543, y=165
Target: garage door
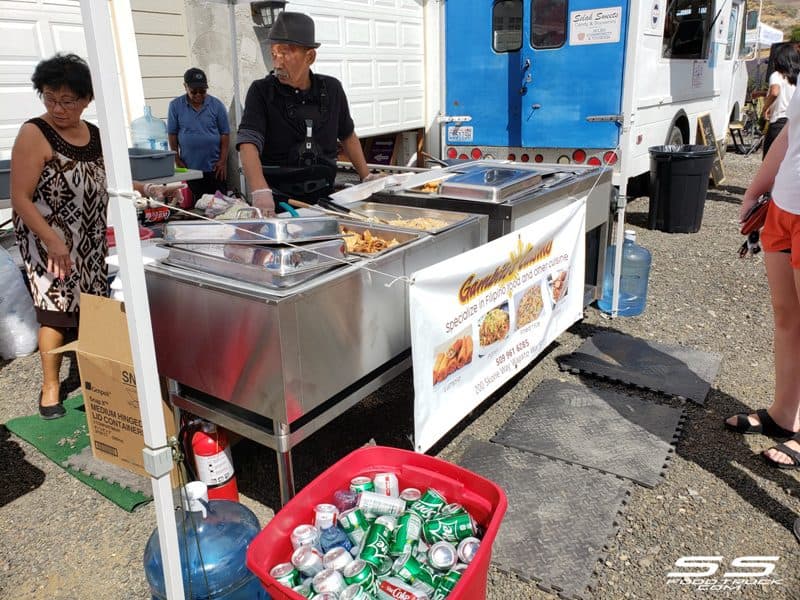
x=30, y=31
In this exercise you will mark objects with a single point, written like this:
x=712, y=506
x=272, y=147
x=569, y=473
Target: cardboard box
x=109, y=384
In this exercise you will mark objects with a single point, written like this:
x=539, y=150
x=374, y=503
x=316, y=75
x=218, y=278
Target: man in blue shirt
x=199, y=132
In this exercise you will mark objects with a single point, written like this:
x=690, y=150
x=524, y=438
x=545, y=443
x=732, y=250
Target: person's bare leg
x=49, y=339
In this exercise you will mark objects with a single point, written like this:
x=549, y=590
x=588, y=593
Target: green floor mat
x=60, y=439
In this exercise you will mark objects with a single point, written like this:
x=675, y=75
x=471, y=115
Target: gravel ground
x=59, y=539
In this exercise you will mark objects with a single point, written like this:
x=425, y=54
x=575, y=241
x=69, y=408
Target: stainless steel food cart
x=276, y=364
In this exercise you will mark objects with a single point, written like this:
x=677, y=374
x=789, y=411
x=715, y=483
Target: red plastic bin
x=485, y=501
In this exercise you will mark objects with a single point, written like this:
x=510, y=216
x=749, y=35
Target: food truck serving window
x=548, y=23
x=507, y=26
x=687, y=28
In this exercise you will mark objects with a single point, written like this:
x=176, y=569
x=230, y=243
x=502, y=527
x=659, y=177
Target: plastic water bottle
x=149, y=132
x=213, y=537
x=633, y=283
x=332, y=537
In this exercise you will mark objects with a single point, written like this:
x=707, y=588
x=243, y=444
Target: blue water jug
x=219, y=531
x=149, y=132
x=636, y=262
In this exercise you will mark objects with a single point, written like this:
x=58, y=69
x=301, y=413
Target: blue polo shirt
x=198, y=130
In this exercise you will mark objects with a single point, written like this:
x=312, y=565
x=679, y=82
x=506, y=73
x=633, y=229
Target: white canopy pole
x=158, y=456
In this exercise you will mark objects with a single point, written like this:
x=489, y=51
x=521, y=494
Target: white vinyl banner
x=477, y=319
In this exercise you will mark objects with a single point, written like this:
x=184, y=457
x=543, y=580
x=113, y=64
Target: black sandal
x=48, y=413
x=790, y=452
x=766, y=425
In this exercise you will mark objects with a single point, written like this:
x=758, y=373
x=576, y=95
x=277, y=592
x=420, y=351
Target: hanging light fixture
x=266, y=11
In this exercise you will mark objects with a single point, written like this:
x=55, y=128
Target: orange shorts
x=781, y=233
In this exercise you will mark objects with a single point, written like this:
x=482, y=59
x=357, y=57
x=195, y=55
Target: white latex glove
x=262, y=199
x=168, y=191
x=371, y=177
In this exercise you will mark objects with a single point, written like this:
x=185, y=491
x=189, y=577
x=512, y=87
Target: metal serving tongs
x=330, y=204
x=301, y=204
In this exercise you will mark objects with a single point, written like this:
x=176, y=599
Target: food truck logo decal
x=525, y=255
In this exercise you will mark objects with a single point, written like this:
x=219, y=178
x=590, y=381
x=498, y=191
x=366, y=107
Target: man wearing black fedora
x=293, y=121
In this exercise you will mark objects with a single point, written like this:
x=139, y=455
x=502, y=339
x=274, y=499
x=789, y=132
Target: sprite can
x=354, y=592
x=453, y=528
x=407, y=534
x=354, y=524
x=286, y=574
x=360, y=573
x=453, y=508
x=304, y=589
x=410, y=570
x=447, y=583
x=429, y=505
x=362, y=484
x=376, y=543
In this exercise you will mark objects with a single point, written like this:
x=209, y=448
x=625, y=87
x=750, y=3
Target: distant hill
x=783, y=14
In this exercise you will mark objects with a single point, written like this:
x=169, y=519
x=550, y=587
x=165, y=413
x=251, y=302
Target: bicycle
x=747, y=135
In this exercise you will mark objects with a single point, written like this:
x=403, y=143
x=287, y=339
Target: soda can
x=411, y=495
x=304, y=589
x=305, y=535
x=376, y=543
x=451, y=529
x=344, y=500
x=385, y=569
x=447, y=583
x=429, y=505
x=380, y=505
x=354, y=592
x=325, y=516
x=362, y=484
x=454, y=508
x=468, y=548
x=442, y=556
x=406, y=534
x=386, y=484
x=285, y=574
x=354, y=524
x=308, y=560
x=336, y=558
x=393, y=588
x=359, y=572
x=326, y=596
x=410, y=570
x=328, y=580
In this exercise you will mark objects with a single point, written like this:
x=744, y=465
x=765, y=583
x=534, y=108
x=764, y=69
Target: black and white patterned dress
x=72, y=197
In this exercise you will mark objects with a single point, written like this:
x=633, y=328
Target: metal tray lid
x=489, y=182
x=253, y=231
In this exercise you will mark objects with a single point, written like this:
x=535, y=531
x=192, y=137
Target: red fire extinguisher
x=213, y=464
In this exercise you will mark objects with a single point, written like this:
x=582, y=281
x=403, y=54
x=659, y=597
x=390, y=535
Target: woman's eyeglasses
x=51, y=102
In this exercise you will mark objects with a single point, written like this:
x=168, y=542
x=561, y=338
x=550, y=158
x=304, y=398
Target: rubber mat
x=674, y=370
x=86, y=463
x=560, y=517
x=601, y=429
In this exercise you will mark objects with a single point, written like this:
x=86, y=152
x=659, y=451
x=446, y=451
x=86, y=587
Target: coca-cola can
x=410, y=495
x=308, y=560
x=328, y=580
x=305, y=535
x=386, y=484
x=325, y=516
x=337, y=558
x=393, y=588
x=468, y=548
x=380, y=504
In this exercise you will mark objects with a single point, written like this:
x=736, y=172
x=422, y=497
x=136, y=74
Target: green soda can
x=304, y=590
x=453, y=508
x=361, y=484
x=410, y=570
x=447, y=583
x=286, y=574
x=385, y=569
x=407, y=534
x=376, y=543
x=360, y=573
x=355, y=524
x=429, y=505
x=453, y=528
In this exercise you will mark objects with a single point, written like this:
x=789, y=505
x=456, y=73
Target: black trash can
x=678, y=185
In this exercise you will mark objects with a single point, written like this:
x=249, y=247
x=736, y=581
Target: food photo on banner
x=479, y=318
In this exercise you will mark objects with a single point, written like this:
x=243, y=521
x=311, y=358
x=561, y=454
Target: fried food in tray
x=430, y=187
x=422, y=223
x=530, y=306
x=366, y=242
x=458, y=355
x=494, y=327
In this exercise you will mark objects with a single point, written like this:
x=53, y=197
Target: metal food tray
x=282, y=260
x=250, y=273
x=489, y=183
x=389, y=212
x=252, y=231
x=382, y=231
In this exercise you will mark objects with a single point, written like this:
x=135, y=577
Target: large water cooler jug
x=149, y=132
x=213, y=537
x=636, y=262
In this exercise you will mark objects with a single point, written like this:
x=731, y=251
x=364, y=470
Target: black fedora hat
x=293, y=28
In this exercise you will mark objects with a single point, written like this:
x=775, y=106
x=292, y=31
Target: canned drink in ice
x=385, y=569
x=376, y=543
x=410, y=495
x=305, y=535
x=354, y=524
x=328, y=580
x=406, y=534
x=468, y=548
x=453, y=528
x=360, y=572
x=337, y=558
x=393, y=588
x=442, y=556
x=380, y=505
x=429, y=505
x=410, y=570
x=326, y=596
x=386, y=484
x=304, y=589
x=446, y=584
x=454, y=508
x=308, y=560
x=344, y=500
x=285, y=574
x=325, y=516
x=362, y=484
x=354, y=592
